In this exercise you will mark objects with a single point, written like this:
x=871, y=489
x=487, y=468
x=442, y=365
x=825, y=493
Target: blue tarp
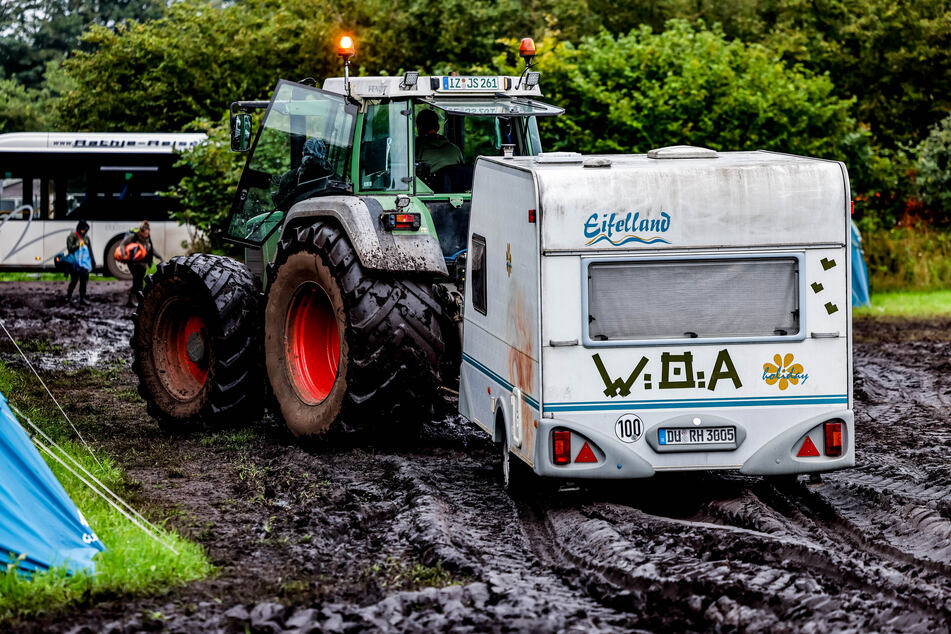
x=859, y=271
x=37, y=518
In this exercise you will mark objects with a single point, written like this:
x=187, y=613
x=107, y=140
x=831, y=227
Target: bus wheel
x=196, y=343
x=340, y=340
x=118, y=270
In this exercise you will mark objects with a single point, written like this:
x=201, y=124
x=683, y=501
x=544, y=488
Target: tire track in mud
x=458, y=515
x=738, y=565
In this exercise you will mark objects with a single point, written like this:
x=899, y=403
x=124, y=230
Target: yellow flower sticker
x=783, y=371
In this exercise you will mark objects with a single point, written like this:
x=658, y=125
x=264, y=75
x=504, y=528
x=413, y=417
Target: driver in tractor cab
x=314, y=165
x=433, y=150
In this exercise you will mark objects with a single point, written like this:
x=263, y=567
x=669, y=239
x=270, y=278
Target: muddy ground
x=346, y=536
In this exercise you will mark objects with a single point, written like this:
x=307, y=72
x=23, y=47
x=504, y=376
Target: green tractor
x=352, y=209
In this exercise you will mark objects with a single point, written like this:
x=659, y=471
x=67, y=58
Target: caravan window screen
x=715, y=298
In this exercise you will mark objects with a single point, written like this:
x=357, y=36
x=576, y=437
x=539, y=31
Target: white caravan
x=680, y=310
x=50, y=180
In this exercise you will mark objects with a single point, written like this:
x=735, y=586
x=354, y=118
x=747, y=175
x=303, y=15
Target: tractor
x=352, y=210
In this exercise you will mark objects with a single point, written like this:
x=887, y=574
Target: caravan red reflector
x=833, y=438
x=808, y=449
x=561, y=446
x=531, y=215
x=586, y=455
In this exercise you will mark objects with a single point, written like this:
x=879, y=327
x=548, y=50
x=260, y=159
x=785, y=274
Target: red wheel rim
x=313, y=343
x=184, y=350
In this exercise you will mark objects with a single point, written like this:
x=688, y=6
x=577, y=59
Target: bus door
x=25, y=198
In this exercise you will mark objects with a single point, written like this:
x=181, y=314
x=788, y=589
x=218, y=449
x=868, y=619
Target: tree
x=934, y=170
x=194, y=61
x=689, y=85
x=36, y=32
x=207, y=191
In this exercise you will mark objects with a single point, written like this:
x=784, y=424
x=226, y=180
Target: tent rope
x=85, y=471
x=103, y=496
x=62, y=411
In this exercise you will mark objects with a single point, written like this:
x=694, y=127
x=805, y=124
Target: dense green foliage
x=908, y=258
x=934, y=169
x=689, y=85
x=207, y=191
x=37, y=32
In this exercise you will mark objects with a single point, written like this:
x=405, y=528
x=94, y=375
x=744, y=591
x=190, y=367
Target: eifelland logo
x=620, y=230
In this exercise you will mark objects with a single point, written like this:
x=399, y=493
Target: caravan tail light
x=561, y=446
x=833, y=444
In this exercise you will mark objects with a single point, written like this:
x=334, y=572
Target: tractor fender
x=378, y=249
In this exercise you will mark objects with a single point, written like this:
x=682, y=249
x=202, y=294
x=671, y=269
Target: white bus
x=51, y=180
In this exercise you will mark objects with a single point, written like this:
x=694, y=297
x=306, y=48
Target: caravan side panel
x=500, y=368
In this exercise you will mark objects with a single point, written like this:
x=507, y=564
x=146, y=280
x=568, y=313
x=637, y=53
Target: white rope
x=102, y=495
x=88, y=448
x=84, y=470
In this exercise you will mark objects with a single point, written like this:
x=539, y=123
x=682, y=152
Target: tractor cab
x=405, y=145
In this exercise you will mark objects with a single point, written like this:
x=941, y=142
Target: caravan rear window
x=709, y=298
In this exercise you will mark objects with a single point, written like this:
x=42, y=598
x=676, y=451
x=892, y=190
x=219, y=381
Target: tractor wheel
x=196, y=342
x=344, y=343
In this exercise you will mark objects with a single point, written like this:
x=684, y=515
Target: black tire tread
x=393, y=335
x=232, y=291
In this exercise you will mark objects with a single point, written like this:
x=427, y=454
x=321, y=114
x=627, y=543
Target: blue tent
x=38, y=521
x=859, y=271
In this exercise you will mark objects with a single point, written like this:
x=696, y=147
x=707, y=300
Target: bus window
x=18, y=189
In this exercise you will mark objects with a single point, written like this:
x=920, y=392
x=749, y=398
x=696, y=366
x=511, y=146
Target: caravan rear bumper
x=618, y=460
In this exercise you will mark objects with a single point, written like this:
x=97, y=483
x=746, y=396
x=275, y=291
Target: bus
x=51, y=180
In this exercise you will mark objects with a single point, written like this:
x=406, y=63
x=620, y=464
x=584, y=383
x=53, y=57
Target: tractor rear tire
x=345, y=344
x=196, y=344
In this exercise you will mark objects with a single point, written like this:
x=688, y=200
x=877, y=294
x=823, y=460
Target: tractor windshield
x=302, y=150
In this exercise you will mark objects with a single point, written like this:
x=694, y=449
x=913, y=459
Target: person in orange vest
x=80, y=260
x=138, y=253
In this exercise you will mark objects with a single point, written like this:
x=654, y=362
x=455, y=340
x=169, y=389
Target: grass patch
x=907, y=304
x=232, y=439
x=133, y=563
x=25, y=276
x=395, y=574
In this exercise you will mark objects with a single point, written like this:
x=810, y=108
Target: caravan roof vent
x=559, y=157
x=682, y=152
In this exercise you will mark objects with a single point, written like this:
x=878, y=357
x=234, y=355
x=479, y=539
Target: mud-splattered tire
x=118, y=270
x=196, y=342
x=345, y=344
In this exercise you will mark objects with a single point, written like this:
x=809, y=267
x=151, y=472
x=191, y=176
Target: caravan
x=680, y=310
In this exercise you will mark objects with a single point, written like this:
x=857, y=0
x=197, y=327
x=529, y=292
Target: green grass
x=51, y=276
x=23, y=276
x=907, y=304
x=133, y=563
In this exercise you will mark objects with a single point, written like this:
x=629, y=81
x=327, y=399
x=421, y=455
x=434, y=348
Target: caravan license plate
x=696, y=436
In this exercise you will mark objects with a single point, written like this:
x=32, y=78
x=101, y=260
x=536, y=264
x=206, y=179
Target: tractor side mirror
x=241, y=132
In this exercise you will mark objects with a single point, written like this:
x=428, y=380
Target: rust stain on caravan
x=520, y=370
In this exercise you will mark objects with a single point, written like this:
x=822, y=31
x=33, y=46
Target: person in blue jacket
x=80, y=253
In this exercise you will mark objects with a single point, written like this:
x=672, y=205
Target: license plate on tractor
x=686, y=436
